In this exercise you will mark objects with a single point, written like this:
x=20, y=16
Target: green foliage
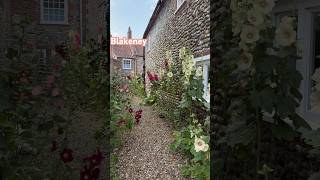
x=257, y=93
x=137, y=87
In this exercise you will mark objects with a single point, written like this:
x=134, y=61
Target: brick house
x=175, y=24
x=127, y=59
x=52, y=20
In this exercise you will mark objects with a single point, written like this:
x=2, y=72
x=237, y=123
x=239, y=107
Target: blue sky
x=134, y=13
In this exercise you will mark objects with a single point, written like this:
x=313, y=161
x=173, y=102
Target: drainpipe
x=81, y=33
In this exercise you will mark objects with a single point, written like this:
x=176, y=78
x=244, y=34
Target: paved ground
x=145, y=153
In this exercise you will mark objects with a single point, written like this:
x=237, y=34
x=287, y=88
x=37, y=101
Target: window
x=308, y=14
x=204, y=63
x=179, y=3
x=54, y=11
x=127, y=64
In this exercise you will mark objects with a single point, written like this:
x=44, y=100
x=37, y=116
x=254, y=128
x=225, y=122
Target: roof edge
x=153, y=17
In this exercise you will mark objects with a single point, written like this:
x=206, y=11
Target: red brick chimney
x=129, y=33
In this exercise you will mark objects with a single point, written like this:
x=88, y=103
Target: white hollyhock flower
x=255, y=17
x=200, y=145
x=170, y=74
x=285, y=34
x=316, y=75
x=271, y=84
x=199, y=72
x=315, y=101
x=250, y=34
x=182, y=52
x=245, y=61
x=264, y=6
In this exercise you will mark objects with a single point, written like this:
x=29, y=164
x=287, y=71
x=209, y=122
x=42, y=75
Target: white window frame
x=179, y=4
x=305, y=10
x=205, y=62
x=123, y=64
x=43, y=21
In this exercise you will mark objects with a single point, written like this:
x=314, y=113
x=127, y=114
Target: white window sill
x=54, y=23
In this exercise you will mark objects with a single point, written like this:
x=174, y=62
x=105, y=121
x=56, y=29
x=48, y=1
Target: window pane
x=314, y=87
x=53, y=10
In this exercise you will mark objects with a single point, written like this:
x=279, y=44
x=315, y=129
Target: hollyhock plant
x=66, y=155
x=121, y=123
x=77, y=40
x=156, y=77
x=37, y=90
x=55, y=92
x=54, y=146
x=50, y=81
x=85, y=174
x=95, y=159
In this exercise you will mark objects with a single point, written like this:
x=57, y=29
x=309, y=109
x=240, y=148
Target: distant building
x=52, y=20
x=127, y=59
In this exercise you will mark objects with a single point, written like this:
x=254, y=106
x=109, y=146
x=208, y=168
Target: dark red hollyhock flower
x=77, y=39
x=60, y=49
x=138, y=116
x=139, y=111
x=54, y=146
x=85, y=174
x=95, y=159
x=66, y=155
x=95, y=173
x=156, y=78
x=129, y=77
x=130, y=110
x=121, y=123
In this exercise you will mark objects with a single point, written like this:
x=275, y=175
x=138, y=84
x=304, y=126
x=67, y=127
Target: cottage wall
x=189, y=27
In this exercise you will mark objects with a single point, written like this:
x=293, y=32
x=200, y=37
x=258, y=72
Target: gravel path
x=145, y=153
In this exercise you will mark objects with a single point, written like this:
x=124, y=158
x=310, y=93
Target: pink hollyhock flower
x=50, y=80
x=55, y=92
x=37, y=90
x=66, y=155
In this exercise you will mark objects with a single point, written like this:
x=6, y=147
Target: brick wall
x=188, y=27
x=94, y=18
x=45, y=35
